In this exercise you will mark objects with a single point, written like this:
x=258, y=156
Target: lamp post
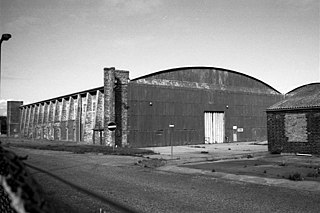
x=4, y=37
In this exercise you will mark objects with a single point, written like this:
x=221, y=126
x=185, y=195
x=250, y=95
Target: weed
x=295, y=177
x=265, y=171
x=312, y=174
x=213, y=170
x=276, y=151
x=79, y=152
x=151, y=162
x=198, y=146
x=249, y=156
x=315, y=173
x=283, y=164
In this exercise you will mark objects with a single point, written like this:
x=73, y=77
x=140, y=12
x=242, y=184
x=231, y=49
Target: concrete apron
x=301, y=185
x=193, y=154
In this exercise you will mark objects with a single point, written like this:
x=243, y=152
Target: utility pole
x=4, y=37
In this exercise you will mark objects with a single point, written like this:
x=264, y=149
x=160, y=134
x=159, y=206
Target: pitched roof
x=304, y=97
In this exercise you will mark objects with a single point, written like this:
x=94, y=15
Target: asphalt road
x=90, y=182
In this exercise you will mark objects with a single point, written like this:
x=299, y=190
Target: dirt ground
x=290, y=167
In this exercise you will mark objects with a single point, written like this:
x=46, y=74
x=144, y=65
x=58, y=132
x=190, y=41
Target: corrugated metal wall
x=152, y=109
x=155, y=102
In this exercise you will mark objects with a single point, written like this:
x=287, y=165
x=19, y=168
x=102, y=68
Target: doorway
x=214, y=127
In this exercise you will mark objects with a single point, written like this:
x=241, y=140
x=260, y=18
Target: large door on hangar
x=214, y=127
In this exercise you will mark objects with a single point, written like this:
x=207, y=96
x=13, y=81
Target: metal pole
x=171, y=126
x=4, y=37
x=171, y=143
x=0, y=64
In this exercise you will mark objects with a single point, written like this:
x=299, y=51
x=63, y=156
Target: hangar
x=294, y=123
x=187, y=105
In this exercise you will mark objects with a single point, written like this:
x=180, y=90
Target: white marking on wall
x=214, y=127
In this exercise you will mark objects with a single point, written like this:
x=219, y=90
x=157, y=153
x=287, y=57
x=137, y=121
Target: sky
x=61, y=47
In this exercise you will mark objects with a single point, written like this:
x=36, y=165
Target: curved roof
x=303, y=97
x=210, y=75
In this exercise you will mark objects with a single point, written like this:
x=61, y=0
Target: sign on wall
x=112, y=126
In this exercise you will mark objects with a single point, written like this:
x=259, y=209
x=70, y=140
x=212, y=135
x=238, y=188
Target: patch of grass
x=82, y=148
x=283, y=164
x=313, y=174
x=295, y=177
x=196, y=146
x=79, y=152
x=151, y=162
x=276, y=151
x=249, y=156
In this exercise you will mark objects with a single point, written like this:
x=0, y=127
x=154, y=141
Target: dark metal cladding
x=182, y=96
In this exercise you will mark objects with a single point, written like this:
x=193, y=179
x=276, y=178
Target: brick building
x=13, y=118
x=3, y=125
x=294, y=123
x=205, y=105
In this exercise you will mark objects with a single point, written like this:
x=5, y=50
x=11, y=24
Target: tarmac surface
x=186, y=160
x=178, y=159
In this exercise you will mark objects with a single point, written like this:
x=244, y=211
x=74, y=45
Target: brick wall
x=116, y=106
x=109, y=113
x=296, y=131
x=121, y=107
x=13, y=118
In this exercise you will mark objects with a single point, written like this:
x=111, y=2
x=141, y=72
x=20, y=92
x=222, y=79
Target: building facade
x=294, y=123
x=13, y=118
x=189, y=105
x=3, y=125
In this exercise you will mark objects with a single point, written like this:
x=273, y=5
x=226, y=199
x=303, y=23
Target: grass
x=289, y=167
x=151, y=163
x=282, y=164
x=78, y=148
x=313, y=174
x=295, y=177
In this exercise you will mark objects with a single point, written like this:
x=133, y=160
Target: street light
x=4, y=37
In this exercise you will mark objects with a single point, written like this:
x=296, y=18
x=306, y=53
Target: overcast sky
x=60, y=47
